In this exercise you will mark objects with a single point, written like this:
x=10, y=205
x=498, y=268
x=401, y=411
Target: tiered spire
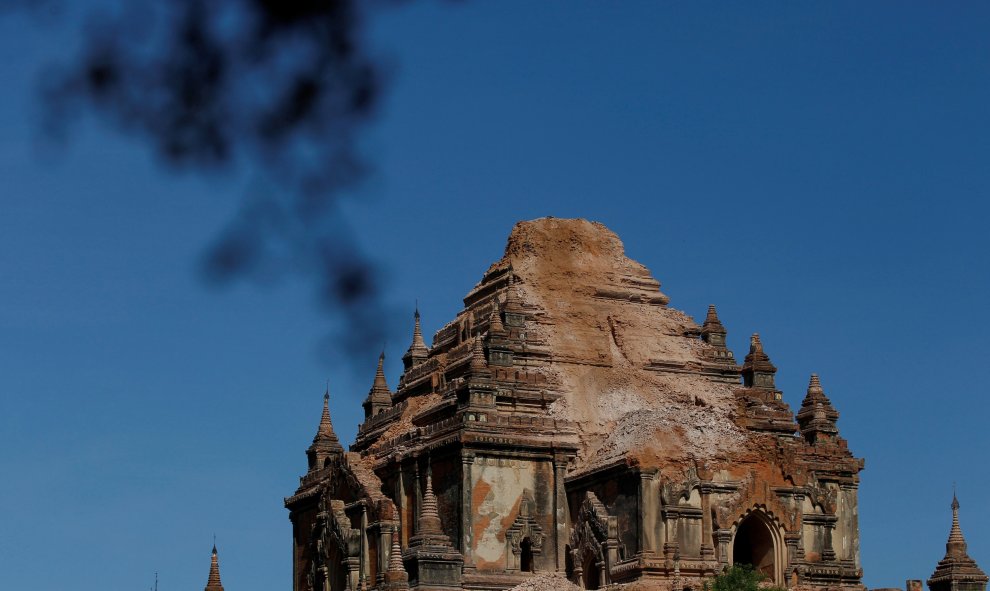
x=757, y=370
x=713, y=333
x=495, y=325
x=379, y=397
x=478, y=363
x=431, y=555
x=417, y=352
x=325, y=443
x=957, y=570
x=514, y=313
x=429, y=516
x=396, y=577
x=213, y=582
x=817, y=416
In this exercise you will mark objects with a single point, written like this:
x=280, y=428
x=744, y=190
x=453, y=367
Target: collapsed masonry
x=568, y=421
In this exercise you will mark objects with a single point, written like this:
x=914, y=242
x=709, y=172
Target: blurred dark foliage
x=278, y=90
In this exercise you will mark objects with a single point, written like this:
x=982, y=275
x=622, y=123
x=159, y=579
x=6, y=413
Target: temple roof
x=628, y=375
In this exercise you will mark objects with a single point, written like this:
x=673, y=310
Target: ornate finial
x=495, y=321
x=815, y=385
x=380, y=371
x=429, y=516
x=325, y=441
x=817, y=417
x=326, y=427
x=379, y=397
x=417, y=352
x=757, y=370
x=213, y=582
x=755, y=346
x=712, y=317
x=396, y=577
x=478, y=362
x=956, y=540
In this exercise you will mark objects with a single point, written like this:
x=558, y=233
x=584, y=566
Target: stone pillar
x=671, y=547
x=724, y=537
x=648, y=507
x=385, y=533
x=467, y=509
x=707, y=549
x=418, y=497
x=561, y=514
x=365, y=550
x=353, y=564
x=828, y=552
x=792, y=540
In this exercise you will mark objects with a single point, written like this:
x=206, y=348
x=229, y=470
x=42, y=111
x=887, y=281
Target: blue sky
x=817, y=170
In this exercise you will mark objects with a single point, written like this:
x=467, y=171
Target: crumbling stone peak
x=957, y=571
x=567, y=427
x=213, y=581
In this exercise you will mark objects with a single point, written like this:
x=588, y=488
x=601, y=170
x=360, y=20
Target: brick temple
x=569, y=421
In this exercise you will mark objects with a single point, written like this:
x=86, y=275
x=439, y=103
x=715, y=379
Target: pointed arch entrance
x=758, y=543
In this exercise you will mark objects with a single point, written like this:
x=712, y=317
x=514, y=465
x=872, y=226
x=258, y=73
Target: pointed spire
x=514, y=313
x=478, y=363
x=429, y=516
x=395, y=555
x=757, y=370
x=418, y=351
x=325, y=442
x=325, y=431
x=957, y=570
x=817, y=417
x=713, y=333
x=213, y=582
x=379, y=397
x=712, y=324
x=396, y=576
x=495, y=320
x=956, y=544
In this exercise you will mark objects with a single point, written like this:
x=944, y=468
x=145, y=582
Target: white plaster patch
x=507, y=480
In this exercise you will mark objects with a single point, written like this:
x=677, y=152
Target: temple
x=569, y=421
x=957, y=571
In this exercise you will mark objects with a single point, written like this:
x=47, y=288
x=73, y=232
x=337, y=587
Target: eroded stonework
x=568, y=421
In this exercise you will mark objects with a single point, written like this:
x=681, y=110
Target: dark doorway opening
x=526, y=555
x=754, y=546
x=591, y=574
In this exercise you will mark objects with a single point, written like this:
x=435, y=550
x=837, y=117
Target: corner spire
x=713, y=333
x=325, y=443
x=379, y=397
x=817, y=417
x=757, y=370
x=396, y=576
x=478, y=363
x=429, y=515
x=495, y=325
x=213, y=582
x=418, y=351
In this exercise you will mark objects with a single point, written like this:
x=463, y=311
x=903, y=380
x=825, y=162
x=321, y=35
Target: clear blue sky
x=818, y=170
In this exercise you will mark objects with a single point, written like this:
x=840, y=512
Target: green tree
x=740, y=577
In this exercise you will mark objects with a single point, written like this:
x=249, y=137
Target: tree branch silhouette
x=278, y=89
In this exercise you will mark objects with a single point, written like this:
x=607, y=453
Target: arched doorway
x=754, y=545
x=591, y=577
x=526, y=555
